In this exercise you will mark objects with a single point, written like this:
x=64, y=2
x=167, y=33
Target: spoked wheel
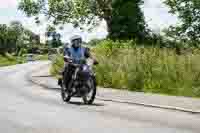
x=89, y=97
x=65, y=94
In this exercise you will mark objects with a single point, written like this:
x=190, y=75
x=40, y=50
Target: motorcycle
x=81, y=83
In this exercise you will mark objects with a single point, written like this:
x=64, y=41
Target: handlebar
x=83, y=61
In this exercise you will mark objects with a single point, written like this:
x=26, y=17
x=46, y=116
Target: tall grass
x=148, y=69
x=122, y=65
x=57, y=66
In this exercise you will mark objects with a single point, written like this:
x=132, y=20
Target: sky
x=155, y=12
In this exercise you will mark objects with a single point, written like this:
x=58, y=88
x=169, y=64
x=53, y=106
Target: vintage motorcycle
x=79, y=80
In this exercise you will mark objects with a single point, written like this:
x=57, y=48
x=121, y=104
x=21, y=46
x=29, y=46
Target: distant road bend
x=28, y=108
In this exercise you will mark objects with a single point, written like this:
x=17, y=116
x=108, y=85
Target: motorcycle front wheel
x=65, y=93
x=89, y=97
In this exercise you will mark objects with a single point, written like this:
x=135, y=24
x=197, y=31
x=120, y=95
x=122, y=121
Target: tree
x=54, y=36
x=50, y=30
x=83, y=12
x=127, y=20
x=3, y=38
x=56, y=42
x=188, y=12
x=14, y=37
x=16, y=34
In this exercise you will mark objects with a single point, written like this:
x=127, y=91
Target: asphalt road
x=27, y=108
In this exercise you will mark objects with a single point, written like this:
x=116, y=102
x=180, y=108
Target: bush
x=57, y=66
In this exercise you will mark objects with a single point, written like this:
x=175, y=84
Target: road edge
x=31, y=79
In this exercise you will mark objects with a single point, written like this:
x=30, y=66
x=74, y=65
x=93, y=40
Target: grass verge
x=7, y=60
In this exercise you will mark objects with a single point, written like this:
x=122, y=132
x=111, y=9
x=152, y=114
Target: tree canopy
x=15, y=37
x=188, y=12
x=89, y=12
x=128, y=20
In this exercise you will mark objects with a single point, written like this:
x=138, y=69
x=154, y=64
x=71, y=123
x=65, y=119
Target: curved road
x=27, y=108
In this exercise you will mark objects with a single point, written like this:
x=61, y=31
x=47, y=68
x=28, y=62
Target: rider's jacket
x=77, y=54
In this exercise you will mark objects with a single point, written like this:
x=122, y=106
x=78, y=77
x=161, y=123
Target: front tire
x=89, y=98
x=66, y=97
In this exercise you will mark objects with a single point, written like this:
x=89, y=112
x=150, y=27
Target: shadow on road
x=82, y=104
x=42, y=76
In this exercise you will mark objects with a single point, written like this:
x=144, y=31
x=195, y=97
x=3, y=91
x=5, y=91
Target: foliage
x=15, y=38
x=69, y=11
x=93, y=42
x=22, y=52
x=188, y=12
x=87, y=13
x=57, y=65
x=127, y=20
x=5, y=38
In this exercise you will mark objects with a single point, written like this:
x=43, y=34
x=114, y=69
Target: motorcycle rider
x=77, y=53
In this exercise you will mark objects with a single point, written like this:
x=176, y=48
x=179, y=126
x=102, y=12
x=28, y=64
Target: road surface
x=28, y=108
